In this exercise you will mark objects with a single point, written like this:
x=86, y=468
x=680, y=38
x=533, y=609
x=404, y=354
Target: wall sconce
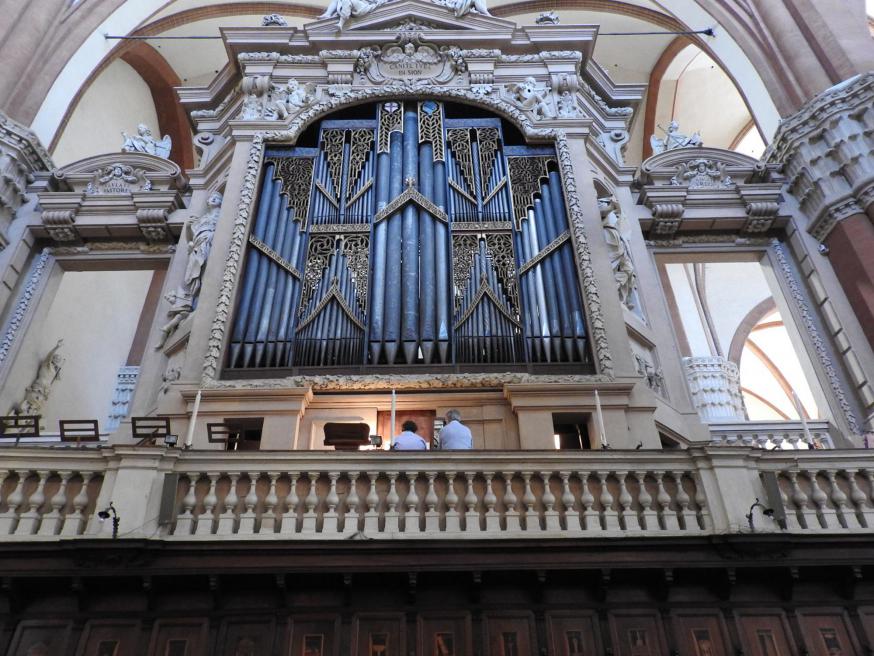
x=103, y=515
x=767, y=512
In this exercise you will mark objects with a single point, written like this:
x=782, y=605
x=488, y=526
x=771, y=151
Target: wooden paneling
x=109, y=638
x=179, y=637
x=40, y=638
x=700, y=634
x=444, y=634
x=242, y=637
x=379, y=635
x=572, y=633
x=765, y=633
x=827, y=632
x=509, y=634
x=637, y=633
x=313, y=636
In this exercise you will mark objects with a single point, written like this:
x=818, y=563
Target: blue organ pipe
x=566, y=252
x=531, y=249
x=268, y=191
x=566, y=284
x=377, y=295
x=282, y=281
x=410, y=244
x=340, y=194
x=526, y=295
x=264, y=347
x=549, y=281
x=271, y=219
x=441, y=262
x=392, y=306
x=427, y=295
x=286, y=295
x=327, y=316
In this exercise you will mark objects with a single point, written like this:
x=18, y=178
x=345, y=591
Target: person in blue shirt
x=454, y=435
x=408, y=440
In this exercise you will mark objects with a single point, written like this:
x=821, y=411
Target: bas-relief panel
x=826, y=633
x=700, y=635
x=637, y=634
x=444, y=634
x=40, y=638
x=573, y=634
x=317, y=636
x=379, y=635
x=765, y=634
x=509, y=634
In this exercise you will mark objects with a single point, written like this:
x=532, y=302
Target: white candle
x=394, y=407
x=189, y=439
x=599, y=416
x=800, y=410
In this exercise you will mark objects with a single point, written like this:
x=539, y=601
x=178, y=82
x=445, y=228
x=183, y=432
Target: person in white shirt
x=454, y=435
x=408, y=440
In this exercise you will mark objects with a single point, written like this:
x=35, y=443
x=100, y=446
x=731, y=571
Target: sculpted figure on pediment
x=674, y=139
x=343, y=10
x=464, y=7
x=144, y=142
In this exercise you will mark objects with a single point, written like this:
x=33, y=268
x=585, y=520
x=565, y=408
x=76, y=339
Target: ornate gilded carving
x=487, y=138
x=332, y=143
x=464, y=249
x=431, y=127
x=361, y=143
x=273, y=255
x=552, y=246
x=410, y=195
x=391, y=119
x=500, y=249
x=356, y=248
x=296, y=176
x=321, y=248
x=459, y=144
x=525, y=176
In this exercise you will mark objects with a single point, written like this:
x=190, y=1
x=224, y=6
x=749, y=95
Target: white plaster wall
x=96, y=314
x=118, y=100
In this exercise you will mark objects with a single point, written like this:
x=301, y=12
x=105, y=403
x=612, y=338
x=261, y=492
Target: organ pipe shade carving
x=409, y=239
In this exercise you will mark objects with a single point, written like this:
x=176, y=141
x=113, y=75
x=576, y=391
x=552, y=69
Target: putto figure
x=674, y=139
x=532, y=98
x=144, y=142
x=343, y=10
x=37, y=393
x=464, y=7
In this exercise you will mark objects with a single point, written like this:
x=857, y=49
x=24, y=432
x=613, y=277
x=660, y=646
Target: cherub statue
x=702, y=173
x=620, y=255
x=37, y=393
x=144, y=142
x=532, y=98
x=547, y=18
x=464, y=7
x=343, y=10
x=285, y=98
x=674, y=139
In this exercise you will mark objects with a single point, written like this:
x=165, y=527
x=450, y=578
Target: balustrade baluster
x=493, y=519
x=350, y=512
x=29, y=521
x=9, y=518
x=250, y=502
x=827, y=516
x=185, y=520
x=846, y=513
x=666, y=514
x=608, y=512
x=52, y=521
x=591, y=521
x=805, y=517
x=411, y=506
x=471, y=516
x=74, y=522
x=289, y=517
x=268, y=515
x=571, y=516
x=683, y=502
x=371, y=518
x=392, y=499
x=705, y=521
x=511, y=513
x=227, y=520
x=206, y=519
x=532, y=521
x=453, y=516
x=649, y=518
x=860, y=501
x=432, y=516
x=628, y=518
x=310, y=513
x=551, y=521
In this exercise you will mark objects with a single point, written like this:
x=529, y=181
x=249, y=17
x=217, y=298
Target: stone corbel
x=59, y=224
x=761, y=216
x=666, y=218
x=153, y=224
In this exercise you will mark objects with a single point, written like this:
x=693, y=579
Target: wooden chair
x=148, y=430
x=19, y=426
x=79, y=430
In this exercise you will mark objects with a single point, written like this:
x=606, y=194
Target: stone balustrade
x=772, y=434
x=168, y=494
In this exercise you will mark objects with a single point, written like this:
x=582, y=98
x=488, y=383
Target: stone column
x=714, y=383
x=21, y=154
x=827, y=150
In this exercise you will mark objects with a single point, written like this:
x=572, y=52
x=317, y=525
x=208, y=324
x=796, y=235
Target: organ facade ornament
x=674, y=139
x=144, y=142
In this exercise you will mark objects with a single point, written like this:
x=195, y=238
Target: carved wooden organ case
x=409, y=239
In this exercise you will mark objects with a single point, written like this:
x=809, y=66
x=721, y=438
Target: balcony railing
x=772, y=434
x=167, y=494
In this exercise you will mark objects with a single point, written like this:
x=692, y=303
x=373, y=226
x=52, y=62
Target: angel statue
x=532, y=98
x=285, y=98
x=464, y=7
x=144, y=142
x=674, y=139
x=37, y=393
x=345, y=9
x=620, y=255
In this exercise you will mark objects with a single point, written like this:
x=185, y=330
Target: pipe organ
x=409, y=239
